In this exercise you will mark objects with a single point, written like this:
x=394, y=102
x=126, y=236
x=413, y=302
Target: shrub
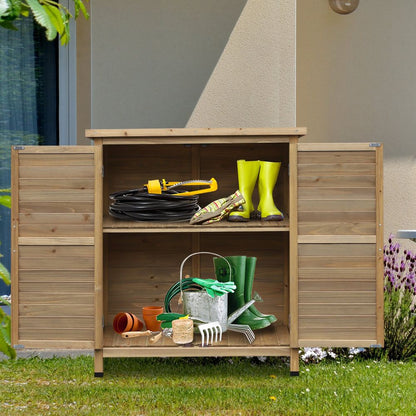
x=399, y=302
x=5, y=321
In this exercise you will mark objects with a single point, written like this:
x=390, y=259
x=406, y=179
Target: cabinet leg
x=294, y=361
x=98, y=363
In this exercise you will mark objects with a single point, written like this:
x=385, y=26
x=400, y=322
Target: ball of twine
x=182, y=331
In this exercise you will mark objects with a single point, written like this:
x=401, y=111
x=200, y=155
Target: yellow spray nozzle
x=156, y=186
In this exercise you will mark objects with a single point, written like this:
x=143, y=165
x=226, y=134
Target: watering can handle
x=194, y=254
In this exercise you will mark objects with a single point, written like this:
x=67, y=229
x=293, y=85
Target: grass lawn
x=205, y=386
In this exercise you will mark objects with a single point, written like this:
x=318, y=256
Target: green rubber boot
x=248, y=172
x=248, y=289
x=269, y=171
x=236, y=300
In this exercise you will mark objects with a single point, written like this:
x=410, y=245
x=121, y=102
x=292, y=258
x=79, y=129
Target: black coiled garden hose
x=139, y=205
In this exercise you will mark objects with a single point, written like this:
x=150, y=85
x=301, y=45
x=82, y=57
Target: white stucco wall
x=356, y=82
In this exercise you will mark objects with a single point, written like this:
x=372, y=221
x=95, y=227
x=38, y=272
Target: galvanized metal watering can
x=199, y=304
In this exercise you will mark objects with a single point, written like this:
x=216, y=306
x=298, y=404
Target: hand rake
x=210, y=332
x=243, y=329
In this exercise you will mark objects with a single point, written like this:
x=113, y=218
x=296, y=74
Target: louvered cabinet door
x=53, y=260
x=340, y=245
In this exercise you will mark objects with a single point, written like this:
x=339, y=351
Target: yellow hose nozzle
x=156, y=186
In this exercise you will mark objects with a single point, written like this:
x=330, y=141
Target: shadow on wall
x=152, y=59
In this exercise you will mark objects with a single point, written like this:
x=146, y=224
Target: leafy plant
x=399, y=301
x=51, y=15
x=5, y=320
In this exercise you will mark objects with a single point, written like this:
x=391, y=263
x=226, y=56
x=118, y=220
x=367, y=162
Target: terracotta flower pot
x=149, y=316
x=125, y=322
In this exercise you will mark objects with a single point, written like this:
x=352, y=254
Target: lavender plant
x=399, y=302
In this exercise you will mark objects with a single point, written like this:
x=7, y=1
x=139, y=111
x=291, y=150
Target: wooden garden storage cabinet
x=74, y=267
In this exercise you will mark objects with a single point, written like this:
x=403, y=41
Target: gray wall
x=356, y=81
x=199, y=63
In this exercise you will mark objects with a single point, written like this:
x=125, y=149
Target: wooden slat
x=337, y=322
x=341, y=239
x=55, y=263
x=178, y=132
x=55, y=334
x=54, y=183
x=56, y=158
x=337, y=250
x=333, y=168
x=55, y=207
x=340, y=273
x=337, y=296
x=59, y=172
x=71, y=196
x=69, y=309
x=342, y=205
x=54, y=298
x=56, y=230
x=72, y=288
x=215, y=139
x=41, y=251
x=71, y=152
x=48, y=218
x=51, y=321
x=57, y=344
x=337, y=285
x=15, y=209
x=336, y=309
x=336, y=193
x=337, y=228
x=98, y=335
x=293, y=246
x=331, y=217
x=45, y=276
x=212, y=351
x=336, y=262
x=334, y=157
x=328, y=336
x=379, y=244
x=335, y=147
x=342, y=342
x=56, y=241
x=337, y=181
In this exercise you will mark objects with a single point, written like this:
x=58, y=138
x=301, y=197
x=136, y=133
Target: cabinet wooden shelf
x=273, y=341
x=111, y=225
x=319, y=270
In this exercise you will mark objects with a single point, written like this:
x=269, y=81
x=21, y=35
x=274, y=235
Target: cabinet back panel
x=141, y=268
x=130, y=167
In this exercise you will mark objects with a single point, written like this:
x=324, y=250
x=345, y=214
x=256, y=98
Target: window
x=28, y=103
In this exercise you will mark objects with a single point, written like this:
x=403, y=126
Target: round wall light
x=343, y=6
